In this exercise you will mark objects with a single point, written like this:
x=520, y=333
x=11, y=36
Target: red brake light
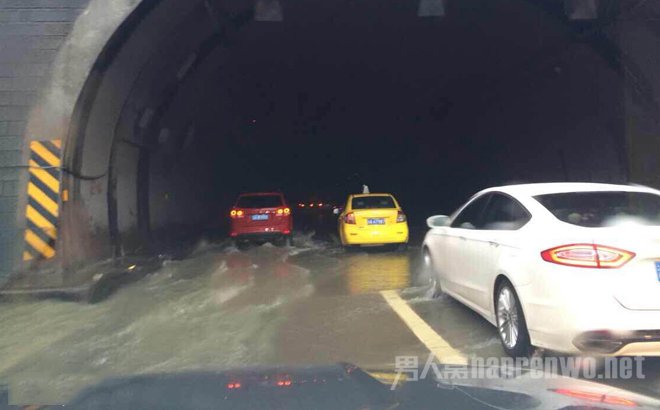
x=320, y=204
x=586, y=255
x=350, y=218
x=401, y=217
x=596, y=397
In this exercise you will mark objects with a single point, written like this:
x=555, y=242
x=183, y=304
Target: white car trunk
x=636, y=285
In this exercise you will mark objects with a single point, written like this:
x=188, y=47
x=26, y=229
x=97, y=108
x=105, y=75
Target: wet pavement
x=221, y=308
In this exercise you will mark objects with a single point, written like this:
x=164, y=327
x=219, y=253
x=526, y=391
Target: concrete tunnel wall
x=50, y=56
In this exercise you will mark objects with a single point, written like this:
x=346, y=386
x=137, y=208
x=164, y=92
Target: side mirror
x=438, y=221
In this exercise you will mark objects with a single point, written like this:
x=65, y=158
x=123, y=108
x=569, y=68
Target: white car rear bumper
x=573, y=310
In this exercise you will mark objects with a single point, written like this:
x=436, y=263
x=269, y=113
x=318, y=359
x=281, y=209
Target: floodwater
x=222, y=309
x=219, y=309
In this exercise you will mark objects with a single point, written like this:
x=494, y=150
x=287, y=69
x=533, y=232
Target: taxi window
x=373, y=202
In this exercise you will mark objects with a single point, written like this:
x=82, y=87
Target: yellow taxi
x=372, y=220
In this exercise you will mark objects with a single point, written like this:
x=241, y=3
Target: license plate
x=657, y=269
x=375, y=221
x=259, y=217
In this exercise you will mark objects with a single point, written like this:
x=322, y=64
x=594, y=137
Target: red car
x=260, y=217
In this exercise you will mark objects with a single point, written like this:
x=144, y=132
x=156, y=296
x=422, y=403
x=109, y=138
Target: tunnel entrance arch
x=142, y=145
x=160, y=53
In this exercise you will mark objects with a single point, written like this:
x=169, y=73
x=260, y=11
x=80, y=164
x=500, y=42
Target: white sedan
x=570, y=267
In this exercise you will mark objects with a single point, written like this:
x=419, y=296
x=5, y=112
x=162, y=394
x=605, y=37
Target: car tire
x=241, y=245
x=280, y=241
x=429, y=276
x=511, y=324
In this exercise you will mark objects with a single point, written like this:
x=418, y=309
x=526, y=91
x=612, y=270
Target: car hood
x=347, y=386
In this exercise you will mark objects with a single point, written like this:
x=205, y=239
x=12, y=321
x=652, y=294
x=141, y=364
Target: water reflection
x=375, y=272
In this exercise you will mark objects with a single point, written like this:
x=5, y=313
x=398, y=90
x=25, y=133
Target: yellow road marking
x=45, y=177
x=27, y=256
x=42, y=198
x=38, y=244
x=433, y=341
x=45, y=154
x=387, y=377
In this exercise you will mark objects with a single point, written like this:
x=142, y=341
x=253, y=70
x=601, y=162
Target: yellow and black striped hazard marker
x=42, y=210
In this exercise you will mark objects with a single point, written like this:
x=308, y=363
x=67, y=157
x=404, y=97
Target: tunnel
x=128, y=128
x=190, y=103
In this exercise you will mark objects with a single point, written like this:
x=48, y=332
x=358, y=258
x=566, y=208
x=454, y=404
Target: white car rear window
x=603, y=209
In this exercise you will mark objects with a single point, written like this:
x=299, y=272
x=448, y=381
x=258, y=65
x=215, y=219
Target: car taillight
x=401, y=217
x=236, y=213
x=586, y=255
x=350, y=218
x=597, y=397
x=283, y=211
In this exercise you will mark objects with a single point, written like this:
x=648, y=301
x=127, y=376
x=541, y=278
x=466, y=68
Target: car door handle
x=495, y=244
x=463, y=238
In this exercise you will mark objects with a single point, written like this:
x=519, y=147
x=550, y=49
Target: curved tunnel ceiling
x=194, y=101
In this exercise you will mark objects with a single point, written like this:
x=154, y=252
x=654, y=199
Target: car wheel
x=429, y=275
x=511, y=325
x=241, y=245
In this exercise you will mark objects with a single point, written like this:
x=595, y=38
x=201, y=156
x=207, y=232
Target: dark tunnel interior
x=193, y=102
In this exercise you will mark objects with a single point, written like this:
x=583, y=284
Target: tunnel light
x=268, y=10
x=186, y=66
x=431, y=8
x=581, y=9
x=163, y=136
x=145, y=119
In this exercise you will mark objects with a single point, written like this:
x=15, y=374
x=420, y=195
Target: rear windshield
x=259, y=201
x=373, y=202
x=601, y=209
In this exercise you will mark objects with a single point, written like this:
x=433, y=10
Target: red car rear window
x=259, y=201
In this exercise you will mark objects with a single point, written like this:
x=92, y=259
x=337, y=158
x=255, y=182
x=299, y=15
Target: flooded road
x=222, y=308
